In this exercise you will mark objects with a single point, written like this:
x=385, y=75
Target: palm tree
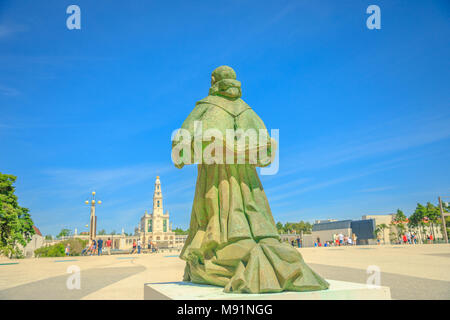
x=416, y=220
x=399, y=220
x=380, y=228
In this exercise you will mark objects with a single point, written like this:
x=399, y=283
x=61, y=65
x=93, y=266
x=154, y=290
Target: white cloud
x=8, y=91
x=10, y=29
x=364, y=143
x=377, y=189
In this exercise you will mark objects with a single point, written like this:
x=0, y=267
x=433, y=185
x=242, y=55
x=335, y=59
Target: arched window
x=150, y=225
x=158, y=203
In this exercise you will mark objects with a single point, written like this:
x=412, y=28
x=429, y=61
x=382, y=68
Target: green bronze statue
x=233, y=241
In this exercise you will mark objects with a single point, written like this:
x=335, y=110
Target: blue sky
x=363, y=115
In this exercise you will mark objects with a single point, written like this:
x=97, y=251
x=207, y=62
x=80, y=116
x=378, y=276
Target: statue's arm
x=186, y=135
x=265, y=147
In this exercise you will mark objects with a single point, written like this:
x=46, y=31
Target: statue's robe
x=233, y=241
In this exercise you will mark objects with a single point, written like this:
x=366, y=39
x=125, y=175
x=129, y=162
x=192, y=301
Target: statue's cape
x=233, y=107
x=218, y=113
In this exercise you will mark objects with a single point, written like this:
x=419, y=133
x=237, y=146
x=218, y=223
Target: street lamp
x=93, y=218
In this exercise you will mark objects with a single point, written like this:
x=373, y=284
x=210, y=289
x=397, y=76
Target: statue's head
x=224, y=83
x=222, y=72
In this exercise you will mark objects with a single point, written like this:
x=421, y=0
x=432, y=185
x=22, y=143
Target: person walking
x=108, y=246
x=100, y=246
x=90, y=248
x=134, y=247
x=67, y=250
x=86, y=250
x=139, y=245
x=354, y=237
x=341, y=239
x=94, y=247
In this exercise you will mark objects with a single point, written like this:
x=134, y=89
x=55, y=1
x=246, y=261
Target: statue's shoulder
x=250, y=119
x=233, y=107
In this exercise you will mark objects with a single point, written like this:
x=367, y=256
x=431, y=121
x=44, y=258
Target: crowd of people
x=95, y=247
x=296, y=243
x=137, y=247
x=344, y=240
x=411, y=238
x=338, y=240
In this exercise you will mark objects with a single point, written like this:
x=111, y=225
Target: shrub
x=58, y=249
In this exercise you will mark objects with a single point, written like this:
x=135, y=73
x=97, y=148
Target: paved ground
x=412, y=272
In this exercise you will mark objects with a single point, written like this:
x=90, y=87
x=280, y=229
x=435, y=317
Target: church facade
x=155, y=226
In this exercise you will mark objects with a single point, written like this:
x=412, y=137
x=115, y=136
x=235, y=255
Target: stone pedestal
x=339, y=290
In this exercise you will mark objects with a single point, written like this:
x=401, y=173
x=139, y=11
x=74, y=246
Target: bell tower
x=157, y=206
x=155, y=226
x=157, y=198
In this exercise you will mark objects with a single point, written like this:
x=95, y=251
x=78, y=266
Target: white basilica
x=155, y=226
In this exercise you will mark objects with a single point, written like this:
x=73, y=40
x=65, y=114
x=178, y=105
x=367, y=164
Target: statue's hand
x=179, y=166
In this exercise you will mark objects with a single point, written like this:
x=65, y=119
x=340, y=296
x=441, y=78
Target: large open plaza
x=254, y=151
x=410, y=271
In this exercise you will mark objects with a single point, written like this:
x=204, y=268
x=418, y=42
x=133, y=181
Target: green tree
x=16, y=225
x=49, y=237
x=400, y=216
x=294, y=227
x=180, y=231
x=416, y=219
x=399, y=221
x=447, y=223
x=113, y=232
x=433, y=213
x=280, y=228
x=445, y=207
x=63, y=233
x=57, y=250
x=101, y=232
x=298, y=227
x=380, y=229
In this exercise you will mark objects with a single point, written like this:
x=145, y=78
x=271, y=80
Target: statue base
x=339, y=290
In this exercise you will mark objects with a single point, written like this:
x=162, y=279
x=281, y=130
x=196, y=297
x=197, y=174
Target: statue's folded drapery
x=233, y=241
